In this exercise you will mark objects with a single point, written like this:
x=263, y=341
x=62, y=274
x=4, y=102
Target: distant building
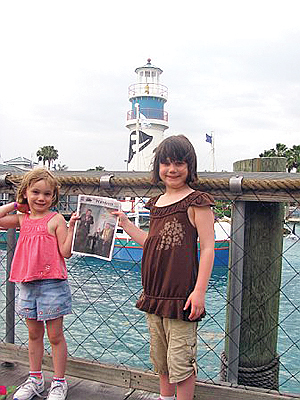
x=21, y=162
x=15, y=165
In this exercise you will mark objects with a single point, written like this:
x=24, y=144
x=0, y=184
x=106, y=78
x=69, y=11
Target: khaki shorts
x=173, y=347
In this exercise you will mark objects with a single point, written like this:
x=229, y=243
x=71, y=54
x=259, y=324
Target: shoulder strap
x=49, y=216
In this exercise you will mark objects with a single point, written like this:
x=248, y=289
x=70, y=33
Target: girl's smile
x=173, y=173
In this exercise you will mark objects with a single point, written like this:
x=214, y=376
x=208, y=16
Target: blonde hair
x=36, y=175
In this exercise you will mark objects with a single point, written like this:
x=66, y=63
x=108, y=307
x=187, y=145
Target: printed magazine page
x=95, y=232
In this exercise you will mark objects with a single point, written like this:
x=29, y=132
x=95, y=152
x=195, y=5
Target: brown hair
x=175, y=148
x=36, y=175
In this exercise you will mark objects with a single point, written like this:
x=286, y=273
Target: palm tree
x=292, y=155
x=47, y=153
x=98, y=168
x=60, y=167
x=293, y=158
x=279, y=151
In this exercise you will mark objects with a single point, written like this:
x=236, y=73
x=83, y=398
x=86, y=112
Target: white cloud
x=231, y=67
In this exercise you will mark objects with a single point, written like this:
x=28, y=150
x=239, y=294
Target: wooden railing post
x=10, y=286
x=256, y=338
x=235, y=289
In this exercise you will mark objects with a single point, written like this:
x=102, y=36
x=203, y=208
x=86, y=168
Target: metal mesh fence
x=106, y=327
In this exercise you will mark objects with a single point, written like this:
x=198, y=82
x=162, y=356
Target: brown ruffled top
x=170, y=257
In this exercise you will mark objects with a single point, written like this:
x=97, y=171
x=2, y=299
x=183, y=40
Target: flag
x=209, y=138
x=144, y=121
x=144, y=140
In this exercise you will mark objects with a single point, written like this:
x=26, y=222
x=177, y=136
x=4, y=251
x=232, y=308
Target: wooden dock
x=79, y=389
x=89, y=380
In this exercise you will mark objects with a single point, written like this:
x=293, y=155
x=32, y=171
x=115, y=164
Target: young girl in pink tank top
x=39, y=266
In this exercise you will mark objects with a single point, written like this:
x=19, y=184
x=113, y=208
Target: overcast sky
x=231, y=67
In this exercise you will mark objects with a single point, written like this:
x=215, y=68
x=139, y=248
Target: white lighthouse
x=147, y=116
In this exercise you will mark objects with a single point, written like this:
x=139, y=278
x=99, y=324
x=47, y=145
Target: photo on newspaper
x=95, y=231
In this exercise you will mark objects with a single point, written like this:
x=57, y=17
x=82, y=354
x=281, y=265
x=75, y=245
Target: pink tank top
x=37, y=255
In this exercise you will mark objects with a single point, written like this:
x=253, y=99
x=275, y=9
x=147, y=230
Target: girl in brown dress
x=174, y=281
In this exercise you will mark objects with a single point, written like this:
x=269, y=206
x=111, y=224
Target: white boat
x=127, y=249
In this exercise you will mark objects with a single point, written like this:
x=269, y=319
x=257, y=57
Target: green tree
x=222, y=209
x=292, y=155
x=279, y=151
x=47, y=153
x=293, y=158
x=60, y=167
x=98, y=168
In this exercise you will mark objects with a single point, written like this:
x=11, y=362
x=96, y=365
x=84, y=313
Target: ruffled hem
x=167, y=308
x=196, y=198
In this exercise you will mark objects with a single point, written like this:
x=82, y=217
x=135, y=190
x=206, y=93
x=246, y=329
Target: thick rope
x=265, y=376
x=201, y=183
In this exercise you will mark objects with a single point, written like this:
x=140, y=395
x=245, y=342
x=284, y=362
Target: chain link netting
x=106, y=327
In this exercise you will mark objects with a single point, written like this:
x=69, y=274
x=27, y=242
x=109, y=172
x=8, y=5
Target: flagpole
x=137, y=130
x=211, y=139
x=137, y=159
x=213, y=150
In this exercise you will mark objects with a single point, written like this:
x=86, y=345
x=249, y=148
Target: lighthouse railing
x=148, y=89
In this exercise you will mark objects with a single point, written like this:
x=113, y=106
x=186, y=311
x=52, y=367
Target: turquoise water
x=289, y=317
x=105, y=325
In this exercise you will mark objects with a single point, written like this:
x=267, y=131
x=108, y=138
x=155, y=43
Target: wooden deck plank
x=88, y=379
x=79, y=389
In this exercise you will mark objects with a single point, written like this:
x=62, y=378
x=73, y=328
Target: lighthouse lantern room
x=147, y=116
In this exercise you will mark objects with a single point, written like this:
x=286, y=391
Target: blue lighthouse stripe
x=150, y=107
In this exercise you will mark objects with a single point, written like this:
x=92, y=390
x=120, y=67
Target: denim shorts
x=173, y=347
x=44, y=299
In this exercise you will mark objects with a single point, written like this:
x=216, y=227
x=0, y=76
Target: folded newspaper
x=95, y=232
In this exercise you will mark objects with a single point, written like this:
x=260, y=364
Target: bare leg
x=185, y=389
x=36, y=331
x=166, y=388
x=59, y=346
